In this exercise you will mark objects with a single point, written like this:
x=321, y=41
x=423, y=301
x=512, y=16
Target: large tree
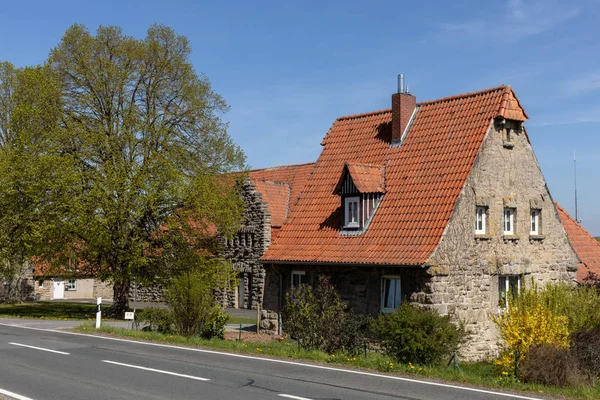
x=139, y=138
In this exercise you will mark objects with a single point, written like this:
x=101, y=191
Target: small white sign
x=129, y=315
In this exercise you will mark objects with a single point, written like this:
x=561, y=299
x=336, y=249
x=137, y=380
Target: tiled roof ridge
x=282, y=166
x=464, y=95
x=581, y=228
x=440, y=100
x=271, y=182
x=366, y=165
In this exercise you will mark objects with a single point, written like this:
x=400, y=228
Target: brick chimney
x=403, y=106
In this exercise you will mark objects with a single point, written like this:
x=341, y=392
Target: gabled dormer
x=360, y=187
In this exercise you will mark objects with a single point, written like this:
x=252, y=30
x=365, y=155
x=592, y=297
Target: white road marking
x=273, y=360
x=14, y=395
x=157, y=370
x=38, y=348
x=289, y=396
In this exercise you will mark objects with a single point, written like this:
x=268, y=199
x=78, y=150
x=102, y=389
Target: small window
x=480, y=216
x=40, y=283
x=391, y=294
x=509, y=221
x=535, y=222
x=70, y=284
x=508, y=286
x=351, y=212
x=299, y=278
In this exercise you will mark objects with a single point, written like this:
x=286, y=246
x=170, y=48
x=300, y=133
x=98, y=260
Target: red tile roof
x=586, y=247
x=366, y=178
x=280, y=188
x=277, y=197
x=423, y=178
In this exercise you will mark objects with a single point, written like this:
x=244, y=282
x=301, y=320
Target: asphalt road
x=39, y=364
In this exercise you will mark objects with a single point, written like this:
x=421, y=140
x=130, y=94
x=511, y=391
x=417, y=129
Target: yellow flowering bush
x=528, y=322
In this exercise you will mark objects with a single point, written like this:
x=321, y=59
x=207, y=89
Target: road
x=39, y=364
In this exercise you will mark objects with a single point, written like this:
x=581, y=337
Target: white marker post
x=98, y=312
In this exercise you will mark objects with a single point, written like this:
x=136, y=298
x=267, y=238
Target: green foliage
x=549, y=365
x=111, y=139
x=318, y=318
x=156, y=319
x=194, y=277
x=214, y=324
x=414, y=335
x=578, y=303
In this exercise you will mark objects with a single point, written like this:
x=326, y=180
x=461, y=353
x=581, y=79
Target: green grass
x=478, y=374
x=47, y=310
x=241, y=320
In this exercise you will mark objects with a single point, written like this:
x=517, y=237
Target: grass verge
x=47, y=310
x=482, y=374
x=241, y=320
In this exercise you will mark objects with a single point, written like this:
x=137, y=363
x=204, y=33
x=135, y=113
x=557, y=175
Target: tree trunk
x=120, y=300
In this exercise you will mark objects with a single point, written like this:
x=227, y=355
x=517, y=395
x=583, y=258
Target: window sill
x=536, y=238
x=351, y=226
x=508, y=145
x=479, y=237
x=511, y=238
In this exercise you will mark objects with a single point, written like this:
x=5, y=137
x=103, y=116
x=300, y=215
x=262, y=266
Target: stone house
x=441, y=203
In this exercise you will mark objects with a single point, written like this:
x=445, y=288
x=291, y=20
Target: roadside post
x=98, y=312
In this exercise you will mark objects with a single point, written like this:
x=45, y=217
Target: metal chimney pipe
x=401, y=83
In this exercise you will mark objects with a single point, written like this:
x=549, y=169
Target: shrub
x=420, y=336
x=214, y=324
x=586, y=348
x=549, y=365
x=157, y=319
x=319, y=320
x=528, y=322
x=578, y=303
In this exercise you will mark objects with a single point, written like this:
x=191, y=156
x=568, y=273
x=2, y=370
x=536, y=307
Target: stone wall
x=152, y=293
x=244, y=251
x=103, y=289
x=21, y=287
x=465, y=268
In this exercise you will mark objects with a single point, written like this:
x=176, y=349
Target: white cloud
x=582, y=84
x=523, y=19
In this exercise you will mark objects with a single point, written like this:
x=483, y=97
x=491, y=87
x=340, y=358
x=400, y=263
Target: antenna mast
x=575, y=176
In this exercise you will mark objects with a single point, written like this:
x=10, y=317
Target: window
x=70, y=284
x=40, y=283
x=509, y=285
x=299, y=278
x=535, y=222
x=509, y=221
x=351, y=212
x=480, y=213
x=391, y=294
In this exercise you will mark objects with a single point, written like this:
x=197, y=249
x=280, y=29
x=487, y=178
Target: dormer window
x=361, y=188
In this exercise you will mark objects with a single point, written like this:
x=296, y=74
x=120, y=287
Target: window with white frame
x=535, y=222
x=509, y=221
x=352, y=212
x=391, y=293
x=480, y=216
x=508, y=286
x=299, y=278
x=70, y=284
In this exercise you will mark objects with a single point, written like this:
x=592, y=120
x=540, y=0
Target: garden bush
x=529, y=321
x=319, y=320
x=157, y=319
x=213, y=325
x=420, y=336
x=549, y=365
x=578, y=303
x=586, y=349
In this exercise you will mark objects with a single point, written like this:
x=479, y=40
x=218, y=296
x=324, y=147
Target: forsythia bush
x=528, y=322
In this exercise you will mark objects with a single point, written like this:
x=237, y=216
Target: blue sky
x=288, y=69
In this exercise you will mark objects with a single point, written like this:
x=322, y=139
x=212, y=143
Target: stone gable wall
x=465, y=268
x=245, y=249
